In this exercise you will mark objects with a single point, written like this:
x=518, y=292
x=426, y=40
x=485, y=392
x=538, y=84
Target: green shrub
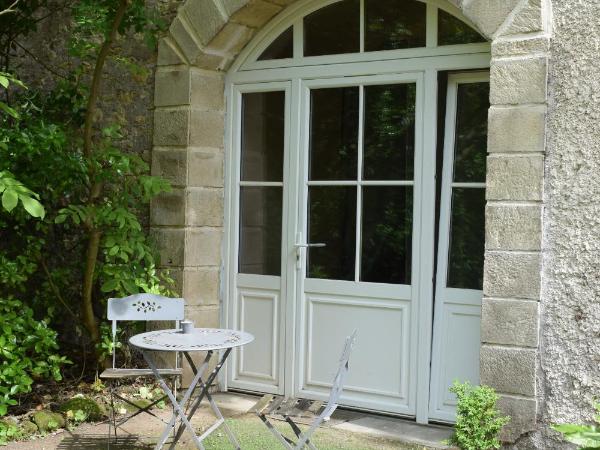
x=585, y=436
x=27, y=352
x=8, y=431
x=478, y=421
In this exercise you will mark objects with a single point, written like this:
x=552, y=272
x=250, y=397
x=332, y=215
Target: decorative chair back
x=340, y=376
x=146, y=307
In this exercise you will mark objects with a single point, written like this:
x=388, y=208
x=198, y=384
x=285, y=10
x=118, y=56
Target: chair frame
x=147, y=308
x=289, y=407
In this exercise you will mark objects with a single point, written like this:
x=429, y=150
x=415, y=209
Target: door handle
x=317, y=245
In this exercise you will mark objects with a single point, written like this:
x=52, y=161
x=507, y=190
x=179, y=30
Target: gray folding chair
x=139, y=307
x=277, y=405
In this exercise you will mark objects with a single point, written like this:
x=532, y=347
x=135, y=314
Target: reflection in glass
x=471, y=132
x=467, y=237
x=332, y=220
x=260, y=230
x=454, y=31
x=333, y=134
x=263, y=130
x=393, y=25
x=387, y=234
x=389, y=135
x=282, y=47
x=333, y=29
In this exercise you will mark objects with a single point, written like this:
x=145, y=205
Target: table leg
x=178, y=406
x=205, y=386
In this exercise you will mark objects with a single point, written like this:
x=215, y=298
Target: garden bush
x=28, y=351
x=478, y=421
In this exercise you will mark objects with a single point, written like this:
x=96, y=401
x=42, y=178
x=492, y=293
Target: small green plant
x=28, y=352
x=587, y=437
x=8, y=432
x=478, y=421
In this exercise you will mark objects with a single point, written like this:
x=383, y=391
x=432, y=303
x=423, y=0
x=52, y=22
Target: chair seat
x=131, y=373
x=278, y=405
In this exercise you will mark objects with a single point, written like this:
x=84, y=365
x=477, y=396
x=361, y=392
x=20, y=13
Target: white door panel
x=457, y=321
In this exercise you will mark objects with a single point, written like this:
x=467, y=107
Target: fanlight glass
x=387, y=25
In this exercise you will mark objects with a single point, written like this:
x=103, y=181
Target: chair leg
x=287, y=443
x=112, y=418
x=303, y=438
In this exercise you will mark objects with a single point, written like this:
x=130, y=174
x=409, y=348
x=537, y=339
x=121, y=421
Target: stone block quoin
x=205, y=38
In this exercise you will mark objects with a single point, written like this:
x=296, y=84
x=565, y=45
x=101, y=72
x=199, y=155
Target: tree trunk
x=95, y=192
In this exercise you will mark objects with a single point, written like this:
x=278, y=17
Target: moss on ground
x=48, y=420
x=92, y=410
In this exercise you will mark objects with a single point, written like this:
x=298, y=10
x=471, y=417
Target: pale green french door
x=332, y=227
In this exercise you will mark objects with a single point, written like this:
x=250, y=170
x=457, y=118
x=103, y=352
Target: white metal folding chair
x=139, y=307
x=292, y=407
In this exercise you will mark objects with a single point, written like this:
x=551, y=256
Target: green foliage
x=14, y=191
x=478, y=421
x=48, y=420
x=5, y=80
x=587, y=437
x=28, y=351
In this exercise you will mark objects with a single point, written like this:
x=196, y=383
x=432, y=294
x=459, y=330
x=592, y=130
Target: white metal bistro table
x=210, y=340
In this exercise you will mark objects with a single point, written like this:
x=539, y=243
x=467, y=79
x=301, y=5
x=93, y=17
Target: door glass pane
x=471, y=132
x=282, y=47
x=260, y=230
x=389, y=132
x=332, y=221
x=452, y=30
x=263, y=131
x=333, y=29
x=334, y=134
x=392, y=25
x=467, y=237
x=387, y=234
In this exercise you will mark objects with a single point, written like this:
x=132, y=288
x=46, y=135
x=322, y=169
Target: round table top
x=200, y=339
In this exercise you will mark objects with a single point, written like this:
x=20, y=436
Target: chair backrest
x=340, y=376
x=146, y=307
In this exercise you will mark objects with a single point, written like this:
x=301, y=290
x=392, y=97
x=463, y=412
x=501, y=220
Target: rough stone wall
x=571, y=267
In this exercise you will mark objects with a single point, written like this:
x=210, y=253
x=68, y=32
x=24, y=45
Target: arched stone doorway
x=204, y=40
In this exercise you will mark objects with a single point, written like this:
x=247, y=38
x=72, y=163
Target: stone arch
x=203, y=41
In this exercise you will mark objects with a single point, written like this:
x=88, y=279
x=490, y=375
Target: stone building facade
x=539, y=330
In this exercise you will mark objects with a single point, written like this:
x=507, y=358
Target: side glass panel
x=471, y=132
x=467, y=227
x=454, y=31
x=262, y=147
x=391, y=25
x=282, y=47
x=467, y=237
x=333, y=29
x=389, y=132
x=263, y=120
x=333, y=134
x=387, y=234
x=260, y=230
x=332, y=220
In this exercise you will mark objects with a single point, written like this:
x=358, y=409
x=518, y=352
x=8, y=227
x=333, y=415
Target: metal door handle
x=317, y=245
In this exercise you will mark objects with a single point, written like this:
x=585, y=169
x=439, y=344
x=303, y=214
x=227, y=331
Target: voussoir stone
x=205, y=17
x=488, y=15
x=508, y=370
x=510, y=322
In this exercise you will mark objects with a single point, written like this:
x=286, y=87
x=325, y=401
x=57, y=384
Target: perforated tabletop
x=200, y=339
